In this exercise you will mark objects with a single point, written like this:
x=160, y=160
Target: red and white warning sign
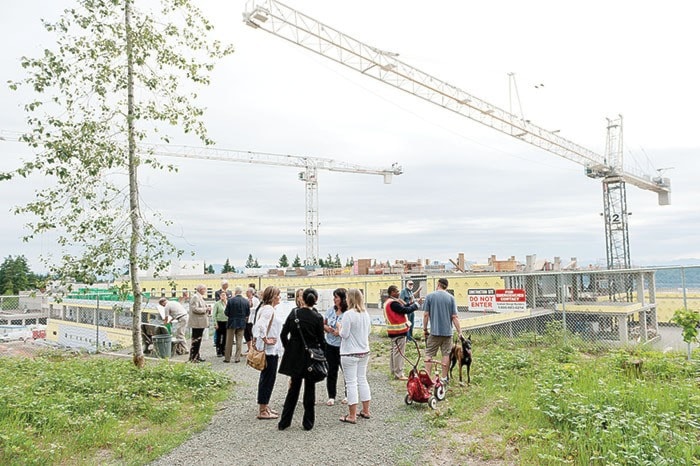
x=482, y=299
x=511, y=299
x=491, y=300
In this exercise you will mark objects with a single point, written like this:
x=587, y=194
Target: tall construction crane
x=309, y=175
x=298, y=28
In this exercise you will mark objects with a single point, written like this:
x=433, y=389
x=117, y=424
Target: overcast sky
x=466, y=188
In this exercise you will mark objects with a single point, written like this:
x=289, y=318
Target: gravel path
x=392, y=436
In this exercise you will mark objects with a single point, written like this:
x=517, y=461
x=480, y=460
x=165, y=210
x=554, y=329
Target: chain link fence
x=22, y=310
x=596, y=307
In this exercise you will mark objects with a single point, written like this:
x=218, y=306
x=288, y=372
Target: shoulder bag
x=316, y=363
x=256, y=358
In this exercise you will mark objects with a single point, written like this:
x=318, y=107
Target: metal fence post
x=97, y=325
x=564, y=295
x=683, y=288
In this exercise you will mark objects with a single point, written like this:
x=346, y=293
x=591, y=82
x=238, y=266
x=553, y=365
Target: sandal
x=330, y=402
x=267, y=415
x=272, y=411
x=349, y=421
x=364, y=416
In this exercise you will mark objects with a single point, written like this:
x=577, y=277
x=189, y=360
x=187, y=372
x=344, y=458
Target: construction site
x=295, y=27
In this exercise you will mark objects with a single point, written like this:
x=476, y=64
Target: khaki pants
x=232, y=333
x=396, y=360
x=180, y=327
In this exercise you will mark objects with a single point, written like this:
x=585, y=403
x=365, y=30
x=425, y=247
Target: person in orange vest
x=397, y=326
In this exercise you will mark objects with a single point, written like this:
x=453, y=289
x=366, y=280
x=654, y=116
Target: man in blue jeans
x=407, y=297
x=441, y=312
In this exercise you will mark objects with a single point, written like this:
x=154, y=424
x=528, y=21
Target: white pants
x=355, y=373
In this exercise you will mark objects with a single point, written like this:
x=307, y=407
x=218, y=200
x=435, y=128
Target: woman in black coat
x=294, y=359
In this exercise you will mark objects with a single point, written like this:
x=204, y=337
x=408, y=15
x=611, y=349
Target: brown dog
x=462, y=353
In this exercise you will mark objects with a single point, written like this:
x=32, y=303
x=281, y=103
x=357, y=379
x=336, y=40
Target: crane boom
x=296, y=27
x=266, y=158
x=300, y=29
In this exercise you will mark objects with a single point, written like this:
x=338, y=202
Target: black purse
x=316, y=363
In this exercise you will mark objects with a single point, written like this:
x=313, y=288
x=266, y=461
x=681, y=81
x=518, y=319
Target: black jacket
x=294, y=357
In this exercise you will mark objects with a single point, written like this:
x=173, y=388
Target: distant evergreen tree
x=256, y=265
x=7, y=285
x=349, y=262
x=250, y=263
x=284, y=262
x=321, y=263
x=227, y=268
x=329, y=261
x=337, y=262
x=15, y=276
x=209, y=269
x=297, y=262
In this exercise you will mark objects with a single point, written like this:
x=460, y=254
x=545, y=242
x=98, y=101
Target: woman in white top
x=266, y=333
x=253, y=302
x=354, y=355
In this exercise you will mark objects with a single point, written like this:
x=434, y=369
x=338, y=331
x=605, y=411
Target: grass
x=534, y=400
x=60, y=409
x=563, y=402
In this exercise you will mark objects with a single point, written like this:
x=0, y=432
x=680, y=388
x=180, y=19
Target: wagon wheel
x=440, y=392
x=432, y=402
x=408, y=400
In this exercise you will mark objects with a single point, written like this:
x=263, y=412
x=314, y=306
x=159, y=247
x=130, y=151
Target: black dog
x=462, y=354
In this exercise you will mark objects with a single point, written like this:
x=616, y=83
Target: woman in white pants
x=354, y=356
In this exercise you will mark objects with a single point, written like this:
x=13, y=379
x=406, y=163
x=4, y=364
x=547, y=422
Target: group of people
x=197, y=319
x=232, y=314
x=342, y=332
x=439, y=315
x=345, y=342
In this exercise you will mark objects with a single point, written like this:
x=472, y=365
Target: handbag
x=316, y=363
x=255, y=358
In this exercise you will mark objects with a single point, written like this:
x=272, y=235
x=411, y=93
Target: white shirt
x=251, y=317
x=266, y=313
x=354, y=332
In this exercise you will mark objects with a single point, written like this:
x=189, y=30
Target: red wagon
x=420, y=388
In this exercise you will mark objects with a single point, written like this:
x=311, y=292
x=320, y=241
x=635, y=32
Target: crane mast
x=300, y=29
x=309, y=174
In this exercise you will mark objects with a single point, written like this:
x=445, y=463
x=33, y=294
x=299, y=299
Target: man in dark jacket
x=237, y=311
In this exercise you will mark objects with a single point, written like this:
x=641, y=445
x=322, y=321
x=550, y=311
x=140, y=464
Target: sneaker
x=330, y=402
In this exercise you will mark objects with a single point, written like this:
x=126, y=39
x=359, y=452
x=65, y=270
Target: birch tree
x=122, y=72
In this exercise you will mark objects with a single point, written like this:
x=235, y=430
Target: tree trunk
x=134, y=215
